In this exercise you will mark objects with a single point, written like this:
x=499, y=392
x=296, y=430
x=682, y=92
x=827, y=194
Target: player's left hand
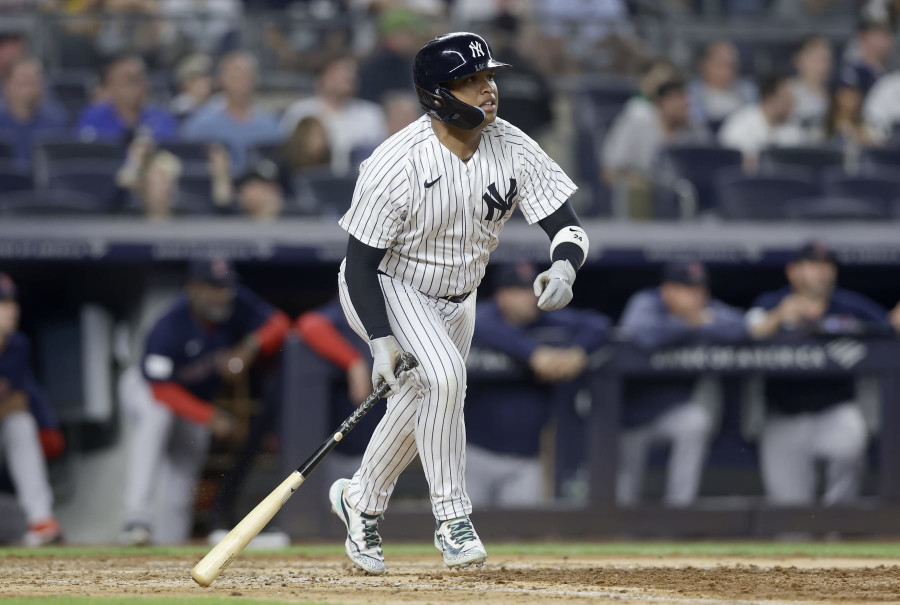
x=553, y=287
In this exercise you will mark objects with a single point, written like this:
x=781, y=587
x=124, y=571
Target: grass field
x=662, y=572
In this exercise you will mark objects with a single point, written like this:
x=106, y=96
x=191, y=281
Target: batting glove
x=553, y=287
x=386, y=352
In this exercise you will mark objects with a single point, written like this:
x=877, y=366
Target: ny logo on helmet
x=475, y=47
x=501, y=204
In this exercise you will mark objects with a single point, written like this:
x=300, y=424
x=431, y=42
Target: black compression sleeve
x=361, y=273
x=563, y=217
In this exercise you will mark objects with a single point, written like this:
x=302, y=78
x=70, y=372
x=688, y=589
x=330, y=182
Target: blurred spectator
x=864, y=62
x=390, y=66
x=148, y=180
x=881, y=109
x=671, y=410
x=895, y=318
x=813, y=62
x=29, y=434
x=211, y=334
x=643, y=128
x=307, y=148
x=350, y=122
x=844, y=124
x=75, y=25
x=325, y=330
x=400, y=110
x=195, y=85
x=527, y=96
x=810, y=420
x=719, y=91
x=203, y=25
x=25, y=111
x=757, y=126
x=123, y=108
x=12, y=49
x=805, y=9
x=236, y=121
x=504, y=421
x=134, y=27
x=260, y=195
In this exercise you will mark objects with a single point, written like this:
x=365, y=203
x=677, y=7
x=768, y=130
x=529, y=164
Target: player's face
x=210, y=302
x=518, y=305
x=479, y=90
x=684, y=300
x=812, y=278
x=9, y=317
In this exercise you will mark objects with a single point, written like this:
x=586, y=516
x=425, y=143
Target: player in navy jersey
x=211, y=333
x=28, y=430
x=810, y=420
x=426, y=213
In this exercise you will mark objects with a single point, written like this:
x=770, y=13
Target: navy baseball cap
x=688, y=273
x=515, y=275
x=815, y=250
x=7, y=288
x=213, y=271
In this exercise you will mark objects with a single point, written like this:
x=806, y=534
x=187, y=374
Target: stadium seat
x=191, y=152
x=92, y=177
x=51, y=150
x=878, y=158
x=48, y=202
x=330, y=195
x=879, y=186
x=198, y=183
x=72, y=89
x=7, y=151
x=267, y=151
x=698, y=164
x=760, y=197
x=813, y=159
x=15, y=180
x=836, y=208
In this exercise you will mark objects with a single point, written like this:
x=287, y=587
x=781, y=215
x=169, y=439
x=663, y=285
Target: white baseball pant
x=166, y=456
x=426, y=416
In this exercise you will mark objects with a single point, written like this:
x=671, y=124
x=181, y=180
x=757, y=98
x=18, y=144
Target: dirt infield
x=509, y=579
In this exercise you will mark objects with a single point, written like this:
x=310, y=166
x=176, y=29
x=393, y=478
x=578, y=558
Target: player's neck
x=461, y=143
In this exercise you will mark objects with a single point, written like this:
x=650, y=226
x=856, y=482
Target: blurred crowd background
x=679, y=113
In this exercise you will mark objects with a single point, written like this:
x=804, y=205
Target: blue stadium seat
x=761, y=197
x=813, y=159
x=49, y=202
x=879, y=186
x=879, y=158
x=92, y=177
x=54, y=149
x=72, y=89
x=837, y=208
x=698, y=164
x=15, y=180
x=7, y=151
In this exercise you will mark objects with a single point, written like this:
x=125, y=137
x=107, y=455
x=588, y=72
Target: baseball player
x=503, y=421
x=426, y=213
x=24, y=447
x=212, y=332
x=809, y=420
x=671, y=409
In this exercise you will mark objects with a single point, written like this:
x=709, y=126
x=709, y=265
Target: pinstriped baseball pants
x=426, y=416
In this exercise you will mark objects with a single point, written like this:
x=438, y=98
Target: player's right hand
x=386, y=351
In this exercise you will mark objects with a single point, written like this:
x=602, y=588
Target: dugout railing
x=305, y=420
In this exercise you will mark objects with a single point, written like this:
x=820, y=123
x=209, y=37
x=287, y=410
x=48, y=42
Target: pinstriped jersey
x=438, y=217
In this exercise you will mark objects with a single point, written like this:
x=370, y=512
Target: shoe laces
x=461, y=531
x=370, y=532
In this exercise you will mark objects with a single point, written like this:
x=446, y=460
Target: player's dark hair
x=769, y=85
x=673, y=85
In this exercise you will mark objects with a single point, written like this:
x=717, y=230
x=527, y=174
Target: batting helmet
x=447, y=58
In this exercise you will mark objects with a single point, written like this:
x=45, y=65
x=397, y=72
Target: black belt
x=454, y=299
x=458, y=298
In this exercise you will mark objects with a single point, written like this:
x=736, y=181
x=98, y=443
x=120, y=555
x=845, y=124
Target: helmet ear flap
x=450, y=110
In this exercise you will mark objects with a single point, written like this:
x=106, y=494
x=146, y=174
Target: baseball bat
x=223, y=553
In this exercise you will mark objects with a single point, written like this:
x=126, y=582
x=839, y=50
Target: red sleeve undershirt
x=183, y=402
x=323, y=337
x=271, y=334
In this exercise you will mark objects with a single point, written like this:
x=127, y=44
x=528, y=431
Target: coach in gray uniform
x=671, y=409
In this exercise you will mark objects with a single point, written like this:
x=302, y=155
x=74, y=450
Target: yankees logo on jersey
x=440, y=217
